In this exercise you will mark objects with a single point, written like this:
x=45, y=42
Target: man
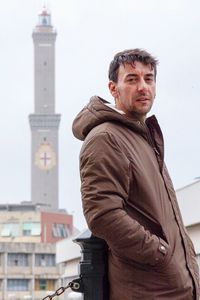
x=128, y=198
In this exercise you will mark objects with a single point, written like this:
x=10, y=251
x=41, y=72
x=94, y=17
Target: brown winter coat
x=129, y=201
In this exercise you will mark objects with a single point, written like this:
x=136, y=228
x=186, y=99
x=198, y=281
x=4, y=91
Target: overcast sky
x=90, y=32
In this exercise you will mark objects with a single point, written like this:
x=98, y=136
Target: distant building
x=189, y=202
x=29, y=231
x=28, y=268
x=24, y=223
x=70, y=260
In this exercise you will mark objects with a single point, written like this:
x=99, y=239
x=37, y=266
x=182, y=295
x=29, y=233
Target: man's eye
x=132, y=80
x=149, y=79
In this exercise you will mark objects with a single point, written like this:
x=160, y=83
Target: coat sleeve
x=105, y=180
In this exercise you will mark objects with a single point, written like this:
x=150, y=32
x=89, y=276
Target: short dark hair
x=129, y=57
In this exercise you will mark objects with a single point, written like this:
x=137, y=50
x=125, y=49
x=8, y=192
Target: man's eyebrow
x=150, y=74
x=131, y=75
x=135, y=75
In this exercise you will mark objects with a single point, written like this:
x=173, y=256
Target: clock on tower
x=45, y=157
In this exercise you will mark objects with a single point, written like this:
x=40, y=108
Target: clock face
x=45, y=157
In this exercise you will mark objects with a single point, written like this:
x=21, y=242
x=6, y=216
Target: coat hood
x=97, y=112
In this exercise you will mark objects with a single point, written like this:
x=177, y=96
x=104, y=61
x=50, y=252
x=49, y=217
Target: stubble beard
x=139, y=113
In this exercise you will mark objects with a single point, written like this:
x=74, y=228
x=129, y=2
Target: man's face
x=135, y=90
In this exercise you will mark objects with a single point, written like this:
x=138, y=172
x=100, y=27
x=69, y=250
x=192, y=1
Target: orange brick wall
x=48, y=219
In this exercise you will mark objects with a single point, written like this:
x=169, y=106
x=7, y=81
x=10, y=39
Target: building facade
x=28, y=236
x=28, y=271
x=70, y=260
x=189, y=202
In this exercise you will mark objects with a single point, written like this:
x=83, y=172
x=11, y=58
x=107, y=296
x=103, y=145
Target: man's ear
x=113, y=88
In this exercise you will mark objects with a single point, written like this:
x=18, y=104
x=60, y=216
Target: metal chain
x=61, y=290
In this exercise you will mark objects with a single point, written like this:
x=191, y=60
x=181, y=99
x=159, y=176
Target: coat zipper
x=149, y=138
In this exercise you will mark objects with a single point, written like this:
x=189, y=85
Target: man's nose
x=142, y=85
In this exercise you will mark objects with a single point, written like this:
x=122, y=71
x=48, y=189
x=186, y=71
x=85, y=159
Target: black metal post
x=93, y=266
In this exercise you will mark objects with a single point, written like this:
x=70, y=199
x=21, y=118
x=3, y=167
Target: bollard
x=93, y=267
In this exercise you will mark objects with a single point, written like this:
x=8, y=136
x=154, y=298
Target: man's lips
x=142, y=99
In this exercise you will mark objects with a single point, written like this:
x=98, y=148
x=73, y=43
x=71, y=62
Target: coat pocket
x=171, y=272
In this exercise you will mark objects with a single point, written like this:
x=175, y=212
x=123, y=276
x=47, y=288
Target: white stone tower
x=44, y=122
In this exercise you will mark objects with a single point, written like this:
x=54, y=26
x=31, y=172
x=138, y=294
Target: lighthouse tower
x=44, y=122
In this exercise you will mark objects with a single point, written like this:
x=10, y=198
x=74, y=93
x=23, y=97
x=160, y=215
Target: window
x=10, y=229
x=60, y=230
x=31, y=229
x=44, y=284
x=45, y=260
x=17, y=259
x=17, y=284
